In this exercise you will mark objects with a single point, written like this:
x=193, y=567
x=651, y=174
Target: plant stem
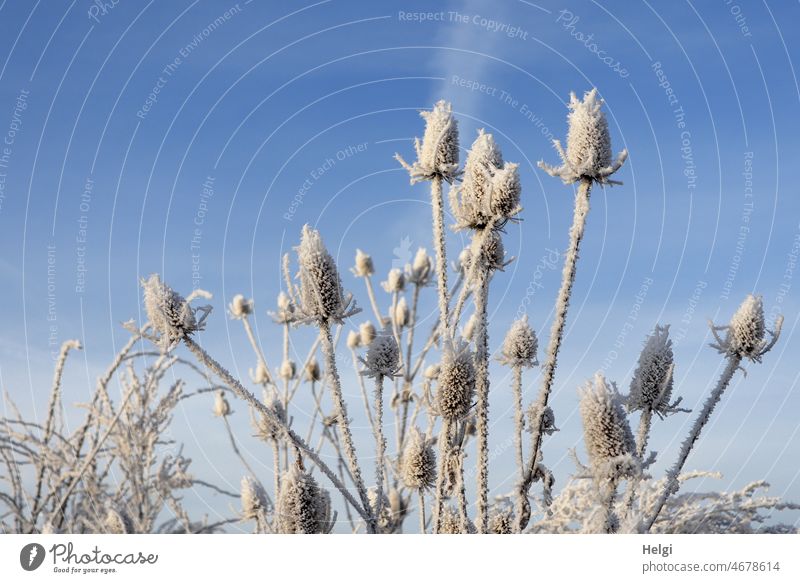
x=421, y=511
x=556, y=333
x=441, y=254
x=672, y=485
x=482, y=387
x=444, y=447
x=641, y=444
x=380, y=444
x=373, y=302
x=518, y=418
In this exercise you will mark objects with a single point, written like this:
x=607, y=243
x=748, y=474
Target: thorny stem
x=344, y=422
x=444, y=446
x=556, y=335
x=380, y=444
x=236, y=450
x=642, y=436
x=289, y=434
x=363, y=388
x=441, y=254
x=518, y=418
x=672, y=484
x=422, y=529
x=276, y=465
x=373, y=302
x=482, y=387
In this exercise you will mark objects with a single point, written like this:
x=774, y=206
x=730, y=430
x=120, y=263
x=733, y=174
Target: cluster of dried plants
x=120, y=472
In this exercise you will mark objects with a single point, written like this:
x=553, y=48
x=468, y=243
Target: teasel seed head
x=240, y=307
x=501, y=521
x=606, y=432
x=363, y=266
x=747, y=332
x=395, y=281
x=366, y=333
x=353, y=340
x=312, y=372
x=117, y=521
x=402, y=314
x=266, y=428
x=383, y=356
x=221, y=406
x=548, y=419
x=588, y=154
x=169, y=313
x=418, y=464
x=437, y=153
x=261, y=375
x=420, y=272
x=254, y=499
x=520, y=344
x=651, y=387
x=431, y=372
x=456, y=381
x=303, y=507
x=321, y=294
x=451, y=522
x=288, y=370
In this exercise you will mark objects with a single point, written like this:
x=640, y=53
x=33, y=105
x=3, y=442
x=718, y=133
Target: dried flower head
x=747, y=332
x=286, y=310
x=395, y=281
x=588, y=154
x=254, y=499
x=240, y=307
x=353, y=340
x=170, y=314
x=303, y=507
x=261, y=375
x=363, y=266
x=606, y=432
x=431, y=372
x=451, y=522
x=288, y=370
x=437, y=153
x=456, y=381
x=468, y=332
x=420, y=272
x=221, y=406
x=312, y=372
x=383, y=356
x=366, y=333
x=418, y=464
x=520, y=344
x=548, y=419
x=494, y=252
x=651, y=387
x=402, y=314
x=501, y=521
x=117, y=521
x=321, y=293
x=265, y=427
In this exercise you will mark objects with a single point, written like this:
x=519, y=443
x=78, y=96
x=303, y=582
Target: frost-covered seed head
x=418, y=468
x=221, y=406
x=288, y=370
x=520, y=344
x=548, y=419
x=501, y=521
x=588, y=154
x=747, y=329
x=261, y=376
x=117, y=521
x=456, y=381
x=451, y=522
x=303, y=507
x=321, y=291
x=437, y=153
x=431, y=372
x=353, y=340
x=168, y=312
x=651, y=387
x=494, y=252
x=464, y=260
x=286, y=309
x=402, y=314
x=471, y=201
x=312, y=373
x=395, y=281
x=363, y=266
x=383, y=356
x=420, y=271
x=240, y=306
x=606, y=432
x=367, y=333
x=468, y=333
x=254, y=499
x=266, y=428
x=506, y=191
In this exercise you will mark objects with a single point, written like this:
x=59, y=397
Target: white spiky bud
x=366, y=333
x=402, y=314
x=588, y=154
x=288, y=370
x=303, y=507
x=501, y=521
x=312, y=372
x=395, y=281
x=464, y=260
x=321, y=291
x=254, y=499
x=261, y=375
x=221, y=406
x=286, y=309
x=431, y=372
x=418, y=464
x=470, y=201
x=606, y=432
x=383, y=356
x=747, y=330
x=265, y=427
x=421, y=270
x=437, y=153
x=651, y=387
x=117, y=521
x=363, y=266
x=456, y=381
x=353, y=340
x=548, y=419
x=451, y=522
x=520, y=344
x=506, y=191
x=168, y=312
x=468, y=332
x=240, y=306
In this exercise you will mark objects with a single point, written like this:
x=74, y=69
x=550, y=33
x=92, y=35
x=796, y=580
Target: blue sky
x=289, y=113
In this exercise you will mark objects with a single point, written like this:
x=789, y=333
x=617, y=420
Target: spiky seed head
x=588, y=154
x=501, y=521
x=506, y=191
x=494, y=252
x=456, y=381
x=353, y=340
x=221, y=406
x=464, y=260
x=383, y=356
x=420, y=271
x=366, y=333
x=470, y=202
x=117, y=521
x=265, y=427
x=321, y=291
x=254, y=499
x=286, y=309
x=312, y=372
x=548, y=419
x=288, y=370
x=240, y=307
x=261, y=375
x=402, y=314
x=387, y=523
x=520, y=344
x=303, y=507
x=418, y=464
x=606, y=432
x=651, y=387
x=451, y=522
x=431, y=372
x=363, y=266
x=437, y=153
x=395, y=281
x=747, y=330
x=170, y=314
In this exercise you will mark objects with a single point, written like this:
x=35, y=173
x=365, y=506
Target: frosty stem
x=437, y=203
x=518, y=418
x=672, y=484
x=557, y=333
x=380, y=444
x=482, y=387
